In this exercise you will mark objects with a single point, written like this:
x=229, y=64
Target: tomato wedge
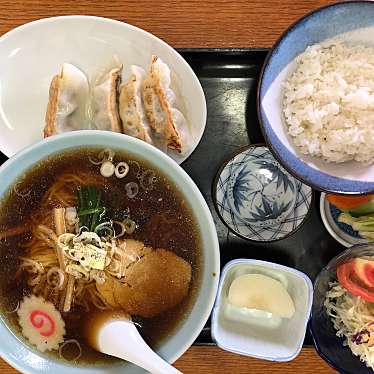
x=350, y=280
x=347, y=202
x=365, y=271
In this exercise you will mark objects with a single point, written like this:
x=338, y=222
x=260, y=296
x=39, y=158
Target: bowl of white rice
x=316, y=98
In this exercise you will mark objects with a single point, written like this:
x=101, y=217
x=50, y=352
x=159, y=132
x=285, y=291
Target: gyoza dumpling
x=131, y=108
x=68, y=95
x=104, y=105
x=183, y=130
x=158, y=99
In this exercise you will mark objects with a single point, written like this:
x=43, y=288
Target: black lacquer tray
x=229, y=79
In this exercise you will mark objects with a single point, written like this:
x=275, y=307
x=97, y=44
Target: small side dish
x=350, y=305
x=357, y=212
x=329, y=102
x=144, y=107
x=257, y=199
x=261, y=310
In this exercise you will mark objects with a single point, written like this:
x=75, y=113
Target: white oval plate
x=32, y=54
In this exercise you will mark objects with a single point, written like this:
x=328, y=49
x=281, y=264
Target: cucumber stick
x=362, y=210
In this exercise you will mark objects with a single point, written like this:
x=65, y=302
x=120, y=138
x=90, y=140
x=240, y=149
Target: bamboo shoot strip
x=60, y=227
x=69, y=293
x=59, y=219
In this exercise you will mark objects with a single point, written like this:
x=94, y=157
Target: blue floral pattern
x=260, y=191
x=268, y=211
x=240, y=189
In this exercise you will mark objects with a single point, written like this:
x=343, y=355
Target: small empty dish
x=340, y=231
x=257, y=199
x=258, y=333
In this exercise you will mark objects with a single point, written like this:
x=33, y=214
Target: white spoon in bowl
x=114, y=334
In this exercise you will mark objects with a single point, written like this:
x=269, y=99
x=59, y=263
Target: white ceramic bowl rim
x=24, y=359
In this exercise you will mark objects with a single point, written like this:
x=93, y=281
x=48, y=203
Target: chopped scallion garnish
x=90, y=212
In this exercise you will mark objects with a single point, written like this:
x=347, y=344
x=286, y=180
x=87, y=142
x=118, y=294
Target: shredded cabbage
x=353, y=318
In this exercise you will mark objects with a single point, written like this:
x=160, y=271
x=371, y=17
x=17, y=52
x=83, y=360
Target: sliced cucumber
x=362, y=210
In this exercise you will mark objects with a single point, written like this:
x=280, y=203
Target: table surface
x=191, y=24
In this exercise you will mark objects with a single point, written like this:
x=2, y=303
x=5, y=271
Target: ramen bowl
x=24, y=357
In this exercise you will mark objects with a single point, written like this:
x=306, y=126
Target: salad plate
x=334, y=301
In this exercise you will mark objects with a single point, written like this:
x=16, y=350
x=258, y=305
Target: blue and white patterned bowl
x=353, y=22
x=257, y=199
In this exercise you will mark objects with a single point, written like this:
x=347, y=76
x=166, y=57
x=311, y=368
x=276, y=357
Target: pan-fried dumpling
x=183, y=130
x=104, y=103
x=158, y=98
x=68, y=95
x=131, y=108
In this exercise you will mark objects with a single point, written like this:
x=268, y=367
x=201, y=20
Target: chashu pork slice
x=156, y=283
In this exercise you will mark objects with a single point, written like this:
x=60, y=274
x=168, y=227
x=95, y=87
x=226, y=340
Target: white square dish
x=256, y=333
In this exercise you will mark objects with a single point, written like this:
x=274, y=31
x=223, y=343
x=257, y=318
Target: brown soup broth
x=163, y=218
